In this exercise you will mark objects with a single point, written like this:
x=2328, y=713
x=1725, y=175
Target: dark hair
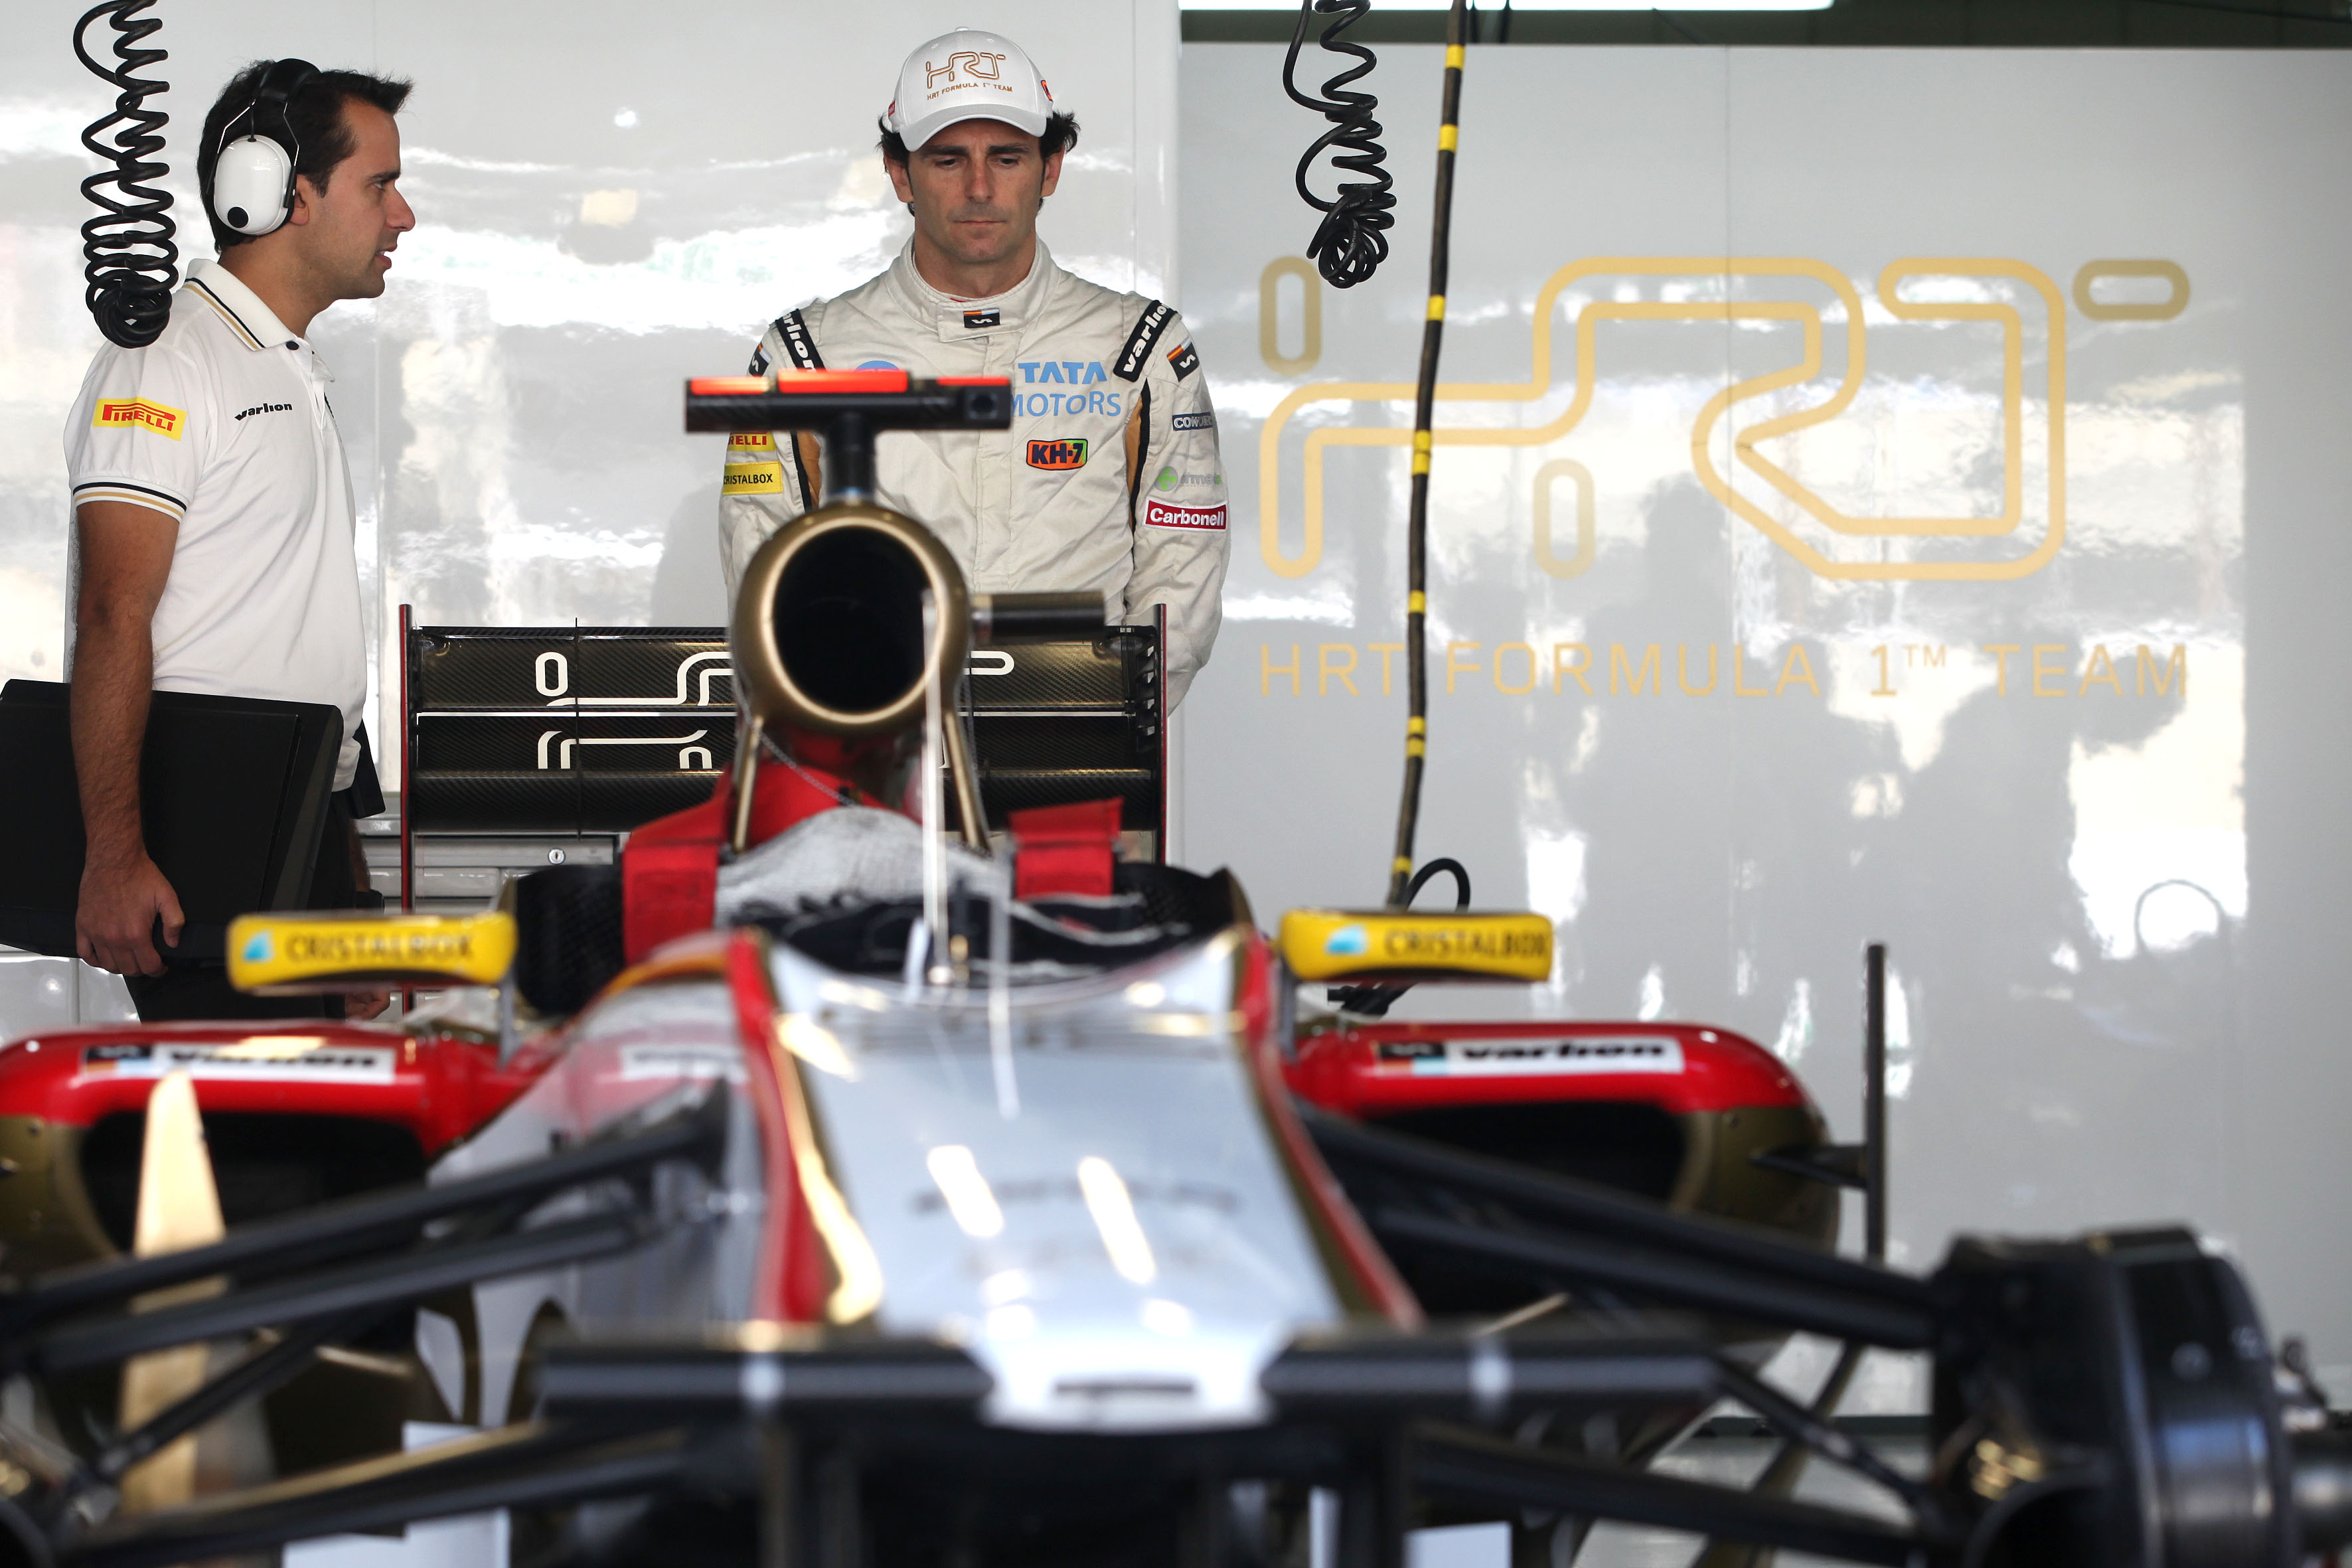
x=321, y=134
x=1061, y=135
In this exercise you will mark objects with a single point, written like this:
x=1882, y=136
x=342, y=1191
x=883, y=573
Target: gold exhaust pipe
x=828, y=638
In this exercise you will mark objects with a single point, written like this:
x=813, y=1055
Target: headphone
x=253, y=176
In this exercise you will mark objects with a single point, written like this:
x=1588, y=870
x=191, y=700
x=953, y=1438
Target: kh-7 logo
x=1827, y=540
x=1057, y=455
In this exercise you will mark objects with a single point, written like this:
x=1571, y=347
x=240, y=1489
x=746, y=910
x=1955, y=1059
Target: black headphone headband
x=266, y=115
x=280, y=83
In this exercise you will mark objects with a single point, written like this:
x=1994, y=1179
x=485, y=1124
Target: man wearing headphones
x=1108, y=479
x=213, y=542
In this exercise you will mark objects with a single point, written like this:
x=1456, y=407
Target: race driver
x=1108, y=479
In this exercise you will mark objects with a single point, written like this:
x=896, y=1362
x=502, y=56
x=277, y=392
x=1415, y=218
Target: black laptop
x=232, y=792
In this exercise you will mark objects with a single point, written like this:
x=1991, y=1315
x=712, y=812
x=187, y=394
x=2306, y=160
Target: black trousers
x=203, y=991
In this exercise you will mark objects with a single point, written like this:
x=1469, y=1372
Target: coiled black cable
x=1352, y=240
x=132, y=264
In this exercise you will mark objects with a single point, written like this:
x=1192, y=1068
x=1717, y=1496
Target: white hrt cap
x=967, y=75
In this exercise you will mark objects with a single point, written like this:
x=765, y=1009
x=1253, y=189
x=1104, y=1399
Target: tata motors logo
x=261, y=949
x=138, y=413
x=1057, y=455
x=1349, y=941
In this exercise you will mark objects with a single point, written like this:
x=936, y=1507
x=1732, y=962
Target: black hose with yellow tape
x=1424, y=412
x=295, y=953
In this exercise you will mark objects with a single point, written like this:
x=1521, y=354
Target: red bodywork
x=1346, y=1069
x=441, y=1087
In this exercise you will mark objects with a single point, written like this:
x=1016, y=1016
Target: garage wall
x=1879, y=495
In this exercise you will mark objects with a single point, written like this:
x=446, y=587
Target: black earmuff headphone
x=253, y=177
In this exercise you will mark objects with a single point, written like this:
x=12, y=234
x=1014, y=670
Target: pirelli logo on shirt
x=1057, y=455
x=752, y=479
x=749, y=441
x=140, y=414
x=1159, y=513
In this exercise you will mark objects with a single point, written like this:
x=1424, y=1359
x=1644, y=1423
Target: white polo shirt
x=222, y=424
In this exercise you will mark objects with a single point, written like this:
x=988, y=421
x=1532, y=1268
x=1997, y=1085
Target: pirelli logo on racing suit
x=1140, y=342
x=1185, y=359
x=139, y=414
x=750, y=441
x=752, y=479
x=1057, y=455
x=1157, y=514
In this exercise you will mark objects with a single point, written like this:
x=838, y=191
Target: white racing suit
x=1050, y=504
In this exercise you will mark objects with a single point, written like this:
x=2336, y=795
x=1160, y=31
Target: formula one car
x=897, y=1202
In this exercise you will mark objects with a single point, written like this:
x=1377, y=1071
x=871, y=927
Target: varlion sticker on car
x=1193, y=422
x=1057, y=455
x=140, y=414
x=262, y=1058
x=1157, y=514
x=640, y=1063
x=752, y=479
x=1591, y=1058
